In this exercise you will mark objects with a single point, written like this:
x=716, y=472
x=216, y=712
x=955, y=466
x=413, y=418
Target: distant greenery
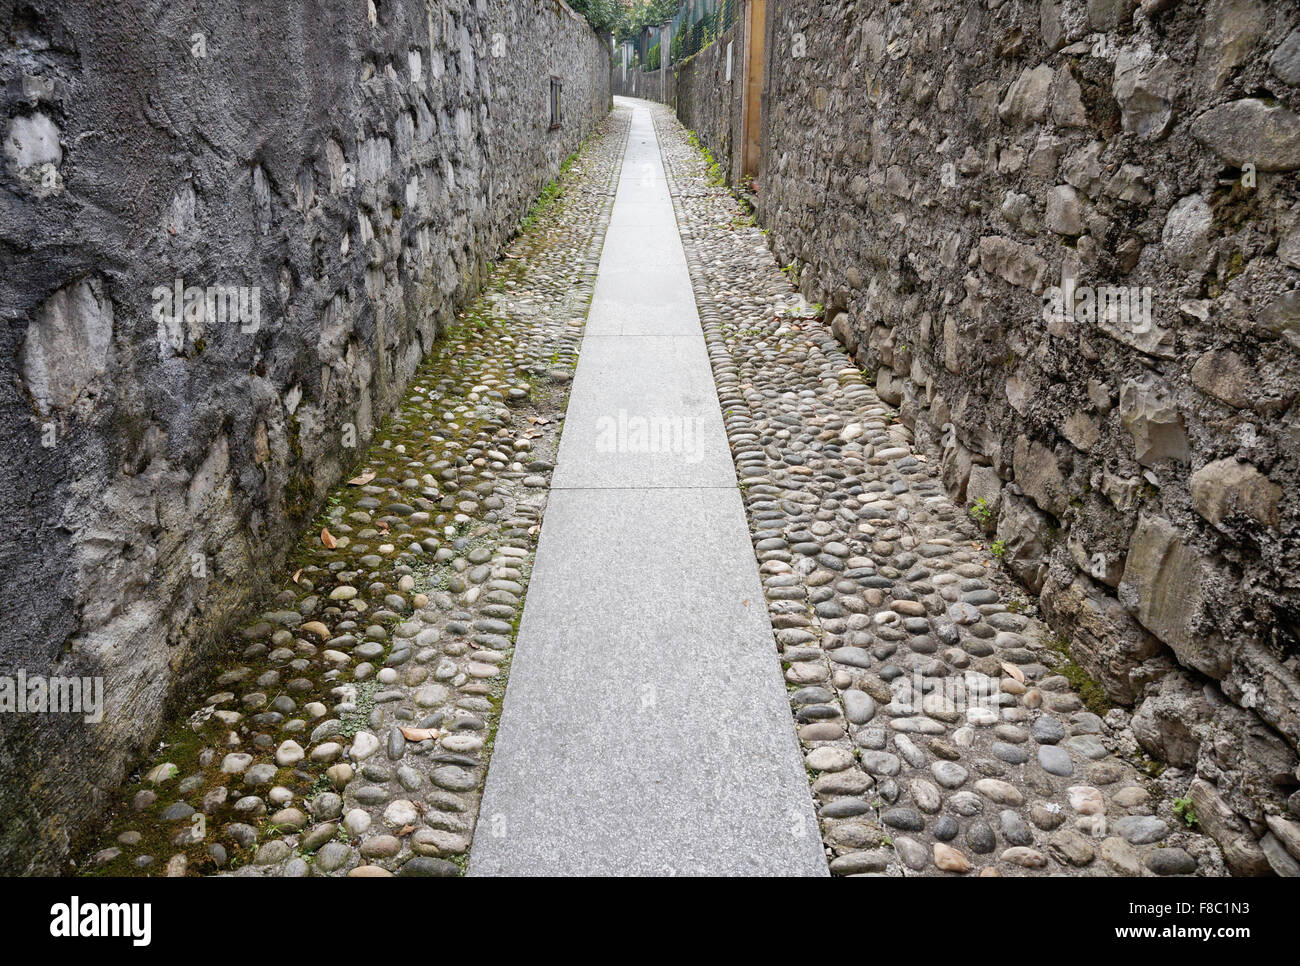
x=603, y=15
x=624, y=18
x=647, y=13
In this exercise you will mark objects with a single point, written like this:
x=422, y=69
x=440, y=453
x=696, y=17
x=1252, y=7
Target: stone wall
x=708, y=104
x=326, y=183
x=1064, y=237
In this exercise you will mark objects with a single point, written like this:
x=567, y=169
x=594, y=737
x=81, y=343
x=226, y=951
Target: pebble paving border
x=401, y=609
x=873, y=576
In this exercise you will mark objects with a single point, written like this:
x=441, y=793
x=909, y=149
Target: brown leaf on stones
x=949, y=859
x=317, y=628
x=327, y=538
x=1014, y=672
x=363, y=479
x=418, y=734
x=404, y=831
x=296, y=575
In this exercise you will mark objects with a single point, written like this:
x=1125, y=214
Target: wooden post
x=752, y=92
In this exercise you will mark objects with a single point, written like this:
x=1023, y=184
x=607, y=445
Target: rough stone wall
x=352, y=167
x=708, y=104
x=941, y=171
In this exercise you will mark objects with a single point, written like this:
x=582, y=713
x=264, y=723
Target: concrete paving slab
x=643, y=412
x=648, y=300
x=645, y=729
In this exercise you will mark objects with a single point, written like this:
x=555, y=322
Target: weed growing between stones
x=716, y=177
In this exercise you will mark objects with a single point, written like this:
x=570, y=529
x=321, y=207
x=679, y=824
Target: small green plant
x=998, y=548
x=1184, y=809
x=549, y=195
x=1089, y=691
x=981, y=510
x=716, y=174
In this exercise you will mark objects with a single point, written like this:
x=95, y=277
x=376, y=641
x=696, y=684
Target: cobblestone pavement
x=350, y=730
x=939, y=732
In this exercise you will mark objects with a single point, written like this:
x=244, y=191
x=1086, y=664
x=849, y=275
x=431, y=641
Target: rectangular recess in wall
x=557, y=115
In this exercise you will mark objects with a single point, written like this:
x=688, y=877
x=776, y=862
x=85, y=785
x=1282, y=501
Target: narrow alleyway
x=355, y=724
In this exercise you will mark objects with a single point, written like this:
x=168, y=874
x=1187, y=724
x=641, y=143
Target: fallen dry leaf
x=327, y=538
x=418, y=734
x=1014, y=671
x=296, y=575
x=317, y=628
x=362, y=480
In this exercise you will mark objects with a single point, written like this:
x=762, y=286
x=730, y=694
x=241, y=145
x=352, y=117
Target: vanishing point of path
x=729, y=622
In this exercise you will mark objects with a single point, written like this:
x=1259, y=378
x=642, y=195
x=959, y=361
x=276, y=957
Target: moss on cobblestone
x=1091, y=693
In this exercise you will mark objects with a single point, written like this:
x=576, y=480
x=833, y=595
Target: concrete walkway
x=645, y=729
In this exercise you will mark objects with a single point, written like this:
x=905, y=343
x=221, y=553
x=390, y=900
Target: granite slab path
x=645, y=728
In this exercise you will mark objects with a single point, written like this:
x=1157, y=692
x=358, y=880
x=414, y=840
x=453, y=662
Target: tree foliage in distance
x=605, y=16
x=624, y=18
